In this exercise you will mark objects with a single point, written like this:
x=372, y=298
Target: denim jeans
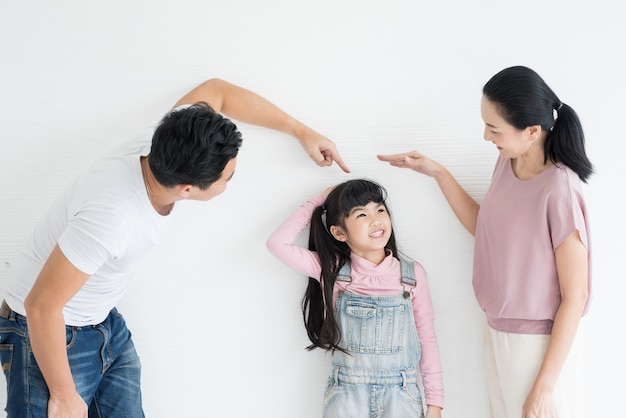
x=103, y=361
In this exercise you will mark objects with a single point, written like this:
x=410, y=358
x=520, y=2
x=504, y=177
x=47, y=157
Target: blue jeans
x=103, y=361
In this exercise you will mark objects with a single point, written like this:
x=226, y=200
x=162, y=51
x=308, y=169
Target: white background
x=215, y=317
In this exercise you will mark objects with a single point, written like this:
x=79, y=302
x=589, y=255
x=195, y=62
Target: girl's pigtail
x=317, y=303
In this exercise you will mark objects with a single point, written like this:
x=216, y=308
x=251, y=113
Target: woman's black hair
x=192, y=145
x=317, y=303
x=523, y=99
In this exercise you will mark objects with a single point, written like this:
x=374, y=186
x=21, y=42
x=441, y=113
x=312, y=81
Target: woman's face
x=510, y=141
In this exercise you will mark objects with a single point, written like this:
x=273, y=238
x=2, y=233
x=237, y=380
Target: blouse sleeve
x=282, y=241
x=430, y=362
x=566, y=210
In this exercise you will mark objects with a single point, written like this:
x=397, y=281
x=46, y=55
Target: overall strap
x=408, y=272
x=344, y=273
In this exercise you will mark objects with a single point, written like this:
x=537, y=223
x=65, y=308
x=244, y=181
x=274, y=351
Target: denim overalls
x=378, y=377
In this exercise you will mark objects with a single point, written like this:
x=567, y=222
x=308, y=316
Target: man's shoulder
x=138, y=144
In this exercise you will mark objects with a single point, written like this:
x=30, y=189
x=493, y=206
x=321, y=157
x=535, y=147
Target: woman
x=531, y=255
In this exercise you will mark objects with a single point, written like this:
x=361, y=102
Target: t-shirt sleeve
x=430, y=362
x=93, y=237
x=566, y=211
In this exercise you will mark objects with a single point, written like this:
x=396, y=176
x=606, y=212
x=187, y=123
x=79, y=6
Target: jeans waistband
x=6, y=311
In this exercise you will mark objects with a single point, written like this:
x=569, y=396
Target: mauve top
x=520, y=225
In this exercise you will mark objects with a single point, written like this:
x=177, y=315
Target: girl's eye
x=381, y=210
x=360, y=215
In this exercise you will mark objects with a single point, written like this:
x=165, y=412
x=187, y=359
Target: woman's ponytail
x=566, y=142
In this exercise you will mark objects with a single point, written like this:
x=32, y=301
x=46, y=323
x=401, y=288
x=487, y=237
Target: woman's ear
x=338, y=233
x=534, y=132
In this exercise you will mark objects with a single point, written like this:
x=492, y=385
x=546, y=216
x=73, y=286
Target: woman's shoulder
x=564, y=180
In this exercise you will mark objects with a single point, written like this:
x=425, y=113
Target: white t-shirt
x=105, y=225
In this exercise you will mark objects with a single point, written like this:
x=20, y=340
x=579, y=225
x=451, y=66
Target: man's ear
x=184, y=190
x=338, y=233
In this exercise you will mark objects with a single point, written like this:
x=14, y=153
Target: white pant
x=513, y=361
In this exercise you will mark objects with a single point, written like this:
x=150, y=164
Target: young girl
x=365, y=305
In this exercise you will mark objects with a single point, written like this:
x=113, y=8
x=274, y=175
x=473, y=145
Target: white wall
x=216, y=319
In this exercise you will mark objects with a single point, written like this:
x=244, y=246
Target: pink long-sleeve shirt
x=368, y=279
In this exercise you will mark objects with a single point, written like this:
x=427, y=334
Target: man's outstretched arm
x=246, y=106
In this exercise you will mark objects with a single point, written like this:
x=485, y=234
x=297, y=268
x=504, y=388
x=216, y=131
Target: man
x=60, y=296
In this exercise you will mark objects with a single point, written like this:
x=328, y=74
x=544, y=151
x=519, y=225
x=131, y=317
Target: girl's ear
x=338, y=233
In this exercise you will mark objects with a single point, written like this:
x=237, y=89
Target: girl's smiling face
x=367, y=231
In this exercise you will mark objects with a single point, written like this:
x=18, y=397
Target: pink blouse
x=520, y=225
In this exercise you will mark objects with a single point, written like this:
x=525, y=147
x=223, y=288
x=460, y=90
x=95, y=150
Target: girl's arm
x=430, y=362
x=464, y=207
x=282, y=241
x=572, y=265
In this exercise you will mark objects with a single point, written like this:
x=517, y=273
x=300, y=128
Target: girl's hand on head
x=326, y=192
x=414, y=160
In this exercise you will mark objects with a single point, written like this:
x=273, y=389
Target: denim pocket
x=331, y=384
x=372, y=328
x=360, y=309
x=6, y=359
x=412, y=392
x=12, y=335
x=70, y=336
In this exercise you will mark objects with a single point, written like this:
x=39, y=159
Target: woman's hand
x=414, y=160
x=539, y=404
x=463, y=205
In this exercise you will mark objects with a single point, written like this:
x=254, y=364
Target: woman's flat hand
x=414, y=160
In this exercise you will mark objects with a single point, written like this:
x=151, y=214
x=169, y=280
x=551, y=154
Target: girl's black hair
x=317, y=303
x=523, y=99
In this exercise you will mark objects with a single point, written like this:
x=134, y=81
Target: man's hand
x=246, y=106
x=72, y=406
x=322, y=150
